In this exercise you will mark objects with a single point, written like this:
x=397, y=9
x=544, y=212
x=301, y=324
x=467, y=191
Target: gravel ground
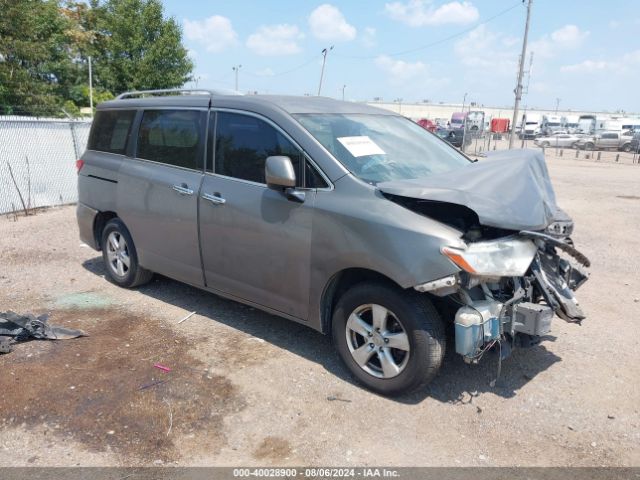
x=252, y=389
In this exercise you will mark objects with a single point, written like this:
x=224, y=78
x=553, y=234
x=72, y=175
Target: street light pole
x=324, y=60
x=518, y=90
x=557, y=104
x=464, y=99
x=236, y=68
x=90, y=88
x=343, y=87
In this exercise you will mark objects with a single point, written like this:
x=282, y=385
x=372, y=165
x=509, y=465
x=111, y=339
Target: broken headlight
x=509, y=257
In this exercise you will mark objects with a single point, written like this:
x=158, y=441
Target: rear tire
x=120, y=256
x=404, y=353
x=626, y=147
x=589, y=146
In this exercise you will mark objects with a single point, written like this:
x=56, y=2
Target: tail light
x=79, y=165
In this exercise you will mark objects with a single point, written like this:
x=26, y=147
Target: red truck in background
x=500, y=125
x=427, y=124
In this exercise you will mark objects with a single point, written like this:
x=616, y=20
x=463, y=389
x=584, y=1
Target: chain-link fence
x=478, y=142
x=37, y=161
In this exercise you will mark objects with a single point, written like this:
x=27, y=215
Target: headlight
x=496, y=258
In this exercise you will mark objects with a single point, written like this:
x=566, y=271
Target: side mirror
x=279, y=173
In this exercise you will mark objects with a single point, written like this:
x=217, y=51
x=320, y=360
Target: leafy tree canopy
x=45, y=46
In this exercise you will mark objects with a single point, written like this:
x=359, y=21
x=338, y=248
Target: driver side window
x=242, y=145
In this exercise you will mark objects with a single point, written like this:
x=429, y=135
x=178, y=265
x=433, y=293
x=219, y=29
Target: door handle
x=183, y=189
x=214, y=198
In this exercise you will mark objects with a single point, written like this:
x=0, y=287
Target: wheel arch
x=342, y=281
x=102, y=218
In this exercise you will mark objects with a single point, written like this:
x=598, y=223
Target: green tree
x=138, y=48
x=45, y=46
x=32, y=50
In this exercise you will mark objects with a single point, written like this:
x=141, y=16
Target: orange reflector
x=458, y=260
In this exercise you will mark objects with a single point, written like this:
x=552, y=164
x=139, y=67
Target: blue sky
x=585, y=52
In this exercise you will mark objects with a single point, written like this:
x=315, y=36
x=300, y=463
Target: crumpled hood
x=509, y=189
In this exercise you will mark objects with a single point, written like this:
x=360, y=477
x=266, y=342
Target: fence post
x=577, y=152
x=599, y=155
x=561, y=151
x=617, y=157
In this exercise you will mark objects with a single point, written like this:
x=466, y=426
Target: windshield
x=379, y=148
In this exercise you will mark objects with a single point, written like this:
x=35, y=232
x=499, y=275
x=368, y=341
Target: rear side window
x=243, y=144
x=110, y=131
x=171, y=137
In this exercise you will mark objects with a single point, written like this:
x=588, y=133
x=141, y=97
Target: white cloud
x=568, y=37
x=410, y=78
x=368, y=37
x=275, y=40
x=399, y=70
x=586, y=66
x=624, y=64
x=215, y=33
x=487, y=51
x=265, y=72
x=328, y=23
x=420, y=13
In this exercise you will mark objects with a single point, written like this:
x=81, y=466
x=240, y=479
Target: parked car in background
x=454, y=136
x=606, y=141
x=560, y=140
x=634, y=143
x=427, y=124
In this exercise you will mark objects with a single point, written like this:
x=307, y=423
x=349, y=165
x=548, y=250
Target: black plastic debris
x=29, y=327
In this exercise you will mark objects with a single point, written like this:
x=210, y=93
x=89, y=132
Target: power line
x=437, y=42
x=302, y=65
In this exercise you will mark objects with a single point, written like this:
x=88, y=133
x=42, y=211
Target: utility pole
x=236, y=68
x=324, y=60
x=464, y=99
x=518, y=90
x=90, y=88
x=557, y=104
x=343, y=87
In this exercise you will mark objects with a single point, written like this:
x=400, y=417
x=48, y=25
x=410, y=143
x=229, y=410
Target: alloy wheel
x=377, y=340
x=118, y=254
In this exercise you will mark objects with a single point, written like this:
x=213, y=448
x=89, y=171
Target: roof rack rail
x=175, y=91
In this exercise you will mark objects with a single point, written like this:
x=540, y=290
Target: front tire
x=120, y=256
x=392, y=341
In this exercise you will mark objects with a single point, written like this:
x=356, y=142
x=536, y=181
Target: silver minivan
x=347, y=218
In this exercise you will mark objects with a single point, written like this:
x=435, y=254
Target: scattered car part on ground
x=28, y=327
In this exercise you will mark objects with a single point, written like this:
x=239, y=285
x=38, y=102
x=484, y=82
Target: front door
x=158, y=192
x=255, y=242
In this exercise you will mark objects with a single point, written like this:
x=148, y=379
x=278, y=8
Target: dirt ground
x=247, y=388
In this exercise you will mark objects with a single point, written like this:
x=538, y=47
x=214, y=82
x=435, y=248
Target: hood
x=509, y=190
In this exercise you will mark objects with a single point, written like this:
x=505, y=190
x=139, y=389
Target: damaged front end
x=518, y=266
x=508, y=290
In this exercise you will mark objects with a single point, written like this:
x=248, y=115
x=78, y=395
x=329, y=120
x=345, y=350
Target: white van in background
x=531, y=125
x=571, y=123
x=551, y=124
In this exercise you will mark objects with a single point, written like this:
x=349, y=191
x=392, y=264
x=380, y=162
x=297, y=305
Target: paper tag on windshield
x=361, y=146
